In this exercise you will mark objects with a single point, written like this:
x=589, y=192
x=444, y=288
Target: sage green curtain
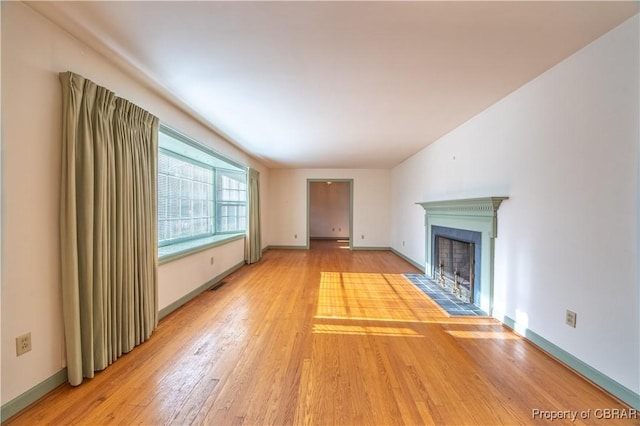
x=253, y=243
x=107, y=225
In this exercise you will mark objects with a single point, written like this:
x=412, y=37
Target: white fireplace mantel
x=472, y=214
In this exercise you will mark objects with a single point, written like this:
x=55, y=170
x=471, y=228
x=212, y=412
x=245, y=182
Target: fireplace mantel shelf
x=479, y=206
x=467, y=207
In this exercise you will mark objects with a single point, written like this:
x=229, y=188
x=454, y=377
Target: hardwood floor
x=325, y=336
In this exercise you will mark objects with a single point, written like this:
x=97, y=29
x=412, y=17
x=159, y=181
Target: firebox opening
x=456, y=262
x=455, y=266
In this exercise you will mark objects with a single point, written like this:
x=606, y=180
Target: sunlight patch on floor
x=496, y=335
x=360, y=330
x=366, y=296
x=376, y=304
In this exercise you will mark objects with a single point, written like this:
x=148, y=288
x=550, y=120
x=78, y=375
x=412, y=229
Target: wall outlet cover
x=571, y=318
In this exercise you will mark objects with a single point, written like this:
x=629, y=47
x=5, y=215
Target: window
x=185, y=199
x=231, y=201
x=202, y=196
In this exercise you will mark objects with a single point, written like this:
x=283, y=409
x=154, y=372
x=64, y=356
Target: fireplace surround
x=473, y=221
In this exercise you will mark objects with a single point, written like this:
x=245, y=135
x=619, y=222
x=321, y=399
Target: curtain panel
x=253, y=241
x=108, y=225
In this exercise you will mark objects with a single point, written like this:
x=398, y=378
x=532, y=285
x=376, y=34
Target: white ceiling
x=336, y=84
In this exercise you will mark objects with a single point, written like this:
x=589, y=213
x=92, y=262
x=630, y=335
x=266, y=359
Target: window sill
x=176, y=251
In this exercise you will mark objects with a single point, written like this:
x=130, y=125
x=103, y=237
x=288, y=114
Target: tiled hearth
x=447, y=301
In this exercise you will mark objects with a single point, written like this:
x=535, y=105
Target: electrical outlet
x=23, y=344
x=571, y=318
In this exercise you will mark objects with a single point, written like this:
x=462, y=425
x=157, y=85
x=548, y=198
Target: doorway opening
x=330, y=212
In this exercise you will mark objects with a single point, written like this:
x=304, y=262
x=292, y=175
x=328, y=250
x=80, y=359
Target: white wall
x=288, y=205
x=565, y=149
x=34, y=51
x=186, y=274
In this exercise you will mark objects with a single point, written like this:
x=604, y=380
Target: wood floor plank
x=318, y=337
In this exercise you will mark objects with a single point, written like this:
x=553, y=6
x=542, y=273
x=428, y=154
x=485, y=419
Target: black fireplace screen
x=455, y=266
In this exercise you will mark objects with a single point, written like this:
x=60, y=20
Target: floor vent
x=217, y=285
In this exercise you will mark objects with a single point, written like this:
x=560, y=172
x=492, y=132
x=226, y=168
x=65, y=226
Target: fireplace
x=454, y=263
x=460, y=238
